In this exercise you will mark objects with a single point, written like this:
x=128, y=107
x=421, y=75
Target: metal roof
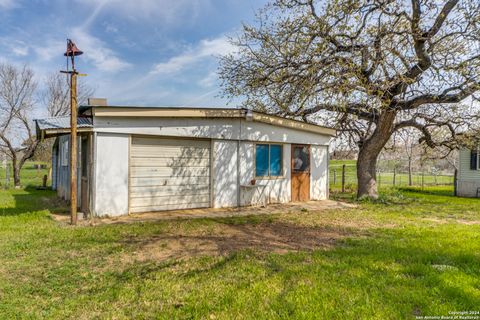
x=50, y=127
x=63, y=123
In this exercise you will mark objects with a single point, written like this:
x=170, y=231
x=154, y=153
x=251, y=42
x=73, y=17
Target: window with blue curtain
x=268, y=160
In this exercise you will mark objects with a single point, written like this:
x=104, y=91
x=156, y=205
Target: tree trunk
x=16, y=172
x=368, y=155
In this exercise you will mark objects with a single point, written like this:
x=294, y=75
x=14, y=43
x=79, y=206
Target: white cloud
x=95, y=50
x=209, y=80
x=167, y=12
x=8, y=4
x=50, y=49
x=205, y=49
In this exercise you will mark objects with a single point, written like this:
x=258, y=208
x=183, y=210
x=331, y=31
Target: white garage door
x=169, y=174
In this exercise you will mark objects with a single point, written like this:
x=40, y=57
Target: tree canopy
x=367, y=67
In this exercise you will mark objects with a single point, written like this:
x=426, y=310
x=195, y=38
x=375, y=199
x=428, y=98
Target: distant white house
x=134, y=159
x=468, y=179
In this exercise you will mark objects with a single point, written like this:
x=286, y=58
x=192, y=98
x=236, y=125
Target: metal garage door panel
x=168, y=174
x=168, y=171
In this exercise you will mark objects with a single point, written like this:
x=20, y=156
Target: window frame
x=269, y=176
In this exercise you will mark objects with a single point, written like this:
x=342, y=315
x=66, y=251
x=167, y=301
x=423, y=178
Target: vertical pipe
x=73, y=148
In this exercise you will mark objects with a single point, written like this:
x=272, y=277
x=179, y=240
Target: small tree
x=369, y=67
x=17, y=137
x=56, y=96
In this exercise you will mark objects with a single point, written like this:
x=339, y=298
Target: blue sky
x=138, y=52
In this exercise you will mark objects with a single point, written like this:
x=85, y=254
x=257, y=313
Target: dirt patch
x=452, y=220
x=274, y=237
x=303, y=207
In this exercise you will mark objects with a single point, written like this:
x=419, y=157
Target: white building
x=468, y=178
x=134, y=159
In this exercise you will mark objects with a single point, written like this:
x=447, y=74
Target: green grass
x=29, y=175
x=410, y=253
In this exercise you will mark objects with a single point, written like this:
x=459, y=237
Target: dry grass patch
x=225, y=239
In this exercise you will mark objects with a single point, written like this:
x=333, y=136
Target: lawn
x=412, y=253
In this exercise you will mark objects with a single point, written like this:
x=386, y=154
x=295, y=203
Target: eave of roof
x=190, y=112
x=50, y=127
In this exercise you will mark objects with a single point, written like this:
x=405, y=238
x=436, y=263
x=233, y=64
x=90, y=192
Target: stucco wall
x=224, y=175
x=269, y=190
x=224, y=129
x=111, y=177
x=111, y=174
x=319, y=173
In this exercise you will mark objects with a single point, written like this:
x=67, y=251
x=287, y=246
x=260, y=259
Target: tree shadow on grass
x=30, y=199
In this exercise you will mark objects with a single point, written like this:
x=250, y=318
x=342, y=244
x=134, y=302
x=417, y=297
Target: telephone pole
x=72, y=52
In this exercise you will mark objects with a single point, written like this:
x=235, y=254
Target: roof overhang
x=52, y=127
x=183, y=112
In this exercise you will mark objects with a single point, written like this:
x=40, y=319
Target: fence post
x=343, y=178
x=423, y=180
x=394, y=175
x=455, y=177
x=334, y=176
x=7, y=177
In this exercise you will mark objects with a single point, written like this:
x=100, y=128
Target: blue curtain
x=261, y=160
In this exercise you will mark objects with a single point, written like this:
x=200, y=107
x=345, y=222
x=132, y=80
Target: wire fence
x=345, y=177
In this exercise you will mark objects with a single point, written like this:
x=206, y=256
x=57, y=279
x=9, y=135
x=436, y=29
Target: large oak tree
x=369, y=67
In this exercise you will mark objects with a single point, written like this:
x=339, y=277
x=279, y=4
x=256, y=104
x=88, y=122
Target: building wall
x=110, y=191
x=468, y=180
x=319, y=173
x=266, y=190
x=221, y=129
x=224, y=173
x=227, y=187
x=231, y=179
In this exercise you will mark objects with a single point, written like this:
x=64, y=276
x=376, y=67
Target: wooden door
x=300, y=172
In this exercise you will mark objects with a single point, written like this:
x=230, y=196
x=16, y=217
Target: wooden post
x=423, y=179
x=343, y=178
x=334, y=177
x=7, y=176
x=73, y=147
x=394, y=175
